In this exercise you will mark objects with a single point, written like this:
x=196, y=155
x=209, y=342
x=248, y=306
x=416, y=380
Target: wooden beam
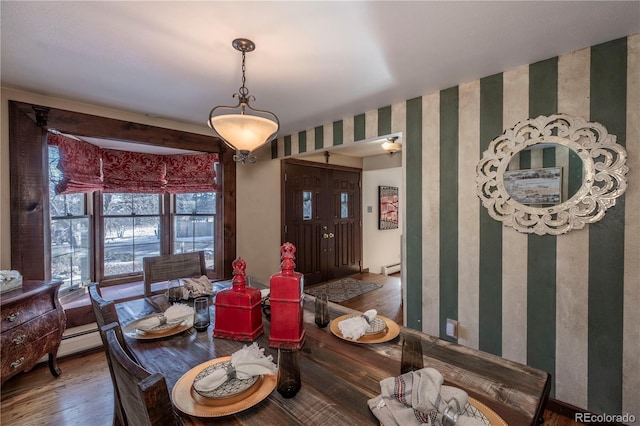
x=30, y=237
x=80, y=124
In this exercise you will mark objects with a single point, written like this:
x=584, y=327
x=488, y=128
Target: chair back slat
x=172, y=266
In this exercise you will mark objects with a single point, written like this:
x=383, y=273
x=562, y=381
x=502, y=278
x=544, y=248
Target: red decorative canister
x=239, y=309
x=287, y=300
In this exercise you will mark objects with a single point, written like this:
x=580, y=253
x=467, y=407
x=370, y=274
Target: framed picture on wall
x=388, y=207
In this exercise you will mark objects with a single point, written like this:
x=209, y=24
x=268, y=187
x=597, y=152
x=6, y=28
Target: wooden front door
x=323, y=219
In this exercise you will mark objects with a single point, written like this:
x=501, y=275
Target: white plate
x=229, y=388
x=164, y=330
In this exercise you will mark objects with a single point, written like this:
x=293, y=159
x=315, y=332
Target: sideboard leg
x=53, y=365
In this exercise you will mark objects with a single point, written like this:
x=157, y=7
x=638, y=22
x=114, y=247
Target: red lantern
x=239, y=309
x=287, y=300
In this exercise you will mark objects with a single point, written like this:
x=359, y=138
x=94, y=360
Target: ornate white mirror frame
x=603, y=177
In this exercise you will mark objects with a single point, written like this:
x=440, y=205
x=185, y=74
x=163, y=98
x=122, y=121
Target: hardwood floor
x=83, y=394
x=387, y=300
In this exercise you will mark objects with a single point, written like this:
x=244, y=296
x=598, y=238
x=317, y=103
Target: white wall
x=258, y=217
x=380, y=247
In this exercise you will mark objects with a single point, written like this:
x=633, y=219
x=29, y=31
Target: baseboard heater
x=391, y=269
x=77, y=340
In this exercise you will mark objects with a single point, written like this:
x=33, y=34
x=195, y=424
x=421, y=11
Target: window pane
x=118, y=204
x=67, y=205
x=200, y=202
x=127, y=240
x=54, y=172
x=70, y=261
x=195, y=233
x=307, y=205
x=344, y=205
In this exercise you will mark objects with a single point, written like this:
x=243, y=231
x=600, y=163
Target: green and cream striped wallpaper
x=567, y=304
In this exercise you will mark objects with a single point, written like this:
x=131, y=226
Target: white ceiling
x=315, y=62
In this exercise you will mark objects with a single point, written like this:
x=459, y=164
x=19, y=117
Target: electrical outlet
x=452, y=328
x=369, y=209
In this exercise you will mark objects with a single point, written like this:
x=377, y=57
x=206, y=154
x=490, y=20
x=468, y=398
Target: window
x=69, y=227
x=31, y=248
x=307, y=205
x=127, y=227
x=131, y=231
x=344, y=205
x=194, y=224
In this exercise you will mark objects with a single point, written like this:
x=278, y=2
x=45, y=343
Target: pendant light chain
x=243, y=90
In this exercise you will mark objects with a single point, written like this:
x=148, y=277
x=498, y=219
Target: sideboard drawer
x=21, y=312
x=31, y=331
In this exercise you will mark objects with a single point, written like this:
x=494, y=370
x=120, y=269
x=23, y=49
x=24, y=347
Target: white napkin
x=245, y=363
x=6, y=275
x=196, y=287
x=418, y=397
x=354, y=328
x=175, y=313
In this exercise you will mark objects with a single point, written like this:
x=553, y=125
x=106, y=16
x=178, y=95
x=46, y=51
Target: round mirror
x=551, y=174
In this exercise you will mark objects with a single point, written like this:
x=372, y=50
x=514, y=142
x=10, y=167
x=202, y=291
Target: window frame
x=28, y=127
x=217, y=228
x=167, y=214
x=102, y=218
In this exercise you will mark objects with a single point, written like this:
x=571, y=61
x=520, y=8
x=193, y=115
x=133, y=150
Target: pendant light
x=243, y=127
x=391, y=145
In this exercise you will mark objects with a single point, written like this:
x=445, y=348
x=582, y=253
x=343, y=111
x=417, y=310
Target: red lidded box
x=239, y=309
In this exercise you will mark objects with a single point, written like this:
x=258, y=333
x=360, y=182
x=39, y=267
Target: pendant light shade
x=243, y=127
x=392, y=145
x=248, y=132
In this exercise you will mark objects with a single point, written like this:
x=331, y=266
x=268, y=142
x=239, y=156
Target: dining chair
x=144, y=395
x=171, y=267
x=105, y=313
x=104, y=310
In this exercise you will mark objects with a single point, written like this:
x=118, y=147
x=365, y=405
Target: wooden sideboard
x=32, y=325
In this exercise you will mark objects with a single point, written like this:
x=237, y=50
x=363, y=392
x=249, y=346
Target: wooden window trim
x=28, y=126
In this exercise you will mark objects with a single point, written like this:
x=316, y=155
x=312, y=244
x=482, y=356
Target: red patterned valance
x=126, y=171
x=86, y=168
x=191, y=173
x=79, y=163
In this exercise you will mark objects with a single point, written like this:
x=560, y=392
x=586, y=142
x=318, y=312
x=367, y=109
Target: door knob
x=325, y=236
x=331, y=235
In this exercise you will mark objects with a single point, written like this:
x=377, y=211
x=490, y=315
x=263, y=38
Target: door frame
x=298, y=162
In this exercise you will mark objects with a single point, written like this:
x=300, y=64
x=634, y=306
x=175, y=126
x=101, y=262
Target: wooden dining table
x=338, y=376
